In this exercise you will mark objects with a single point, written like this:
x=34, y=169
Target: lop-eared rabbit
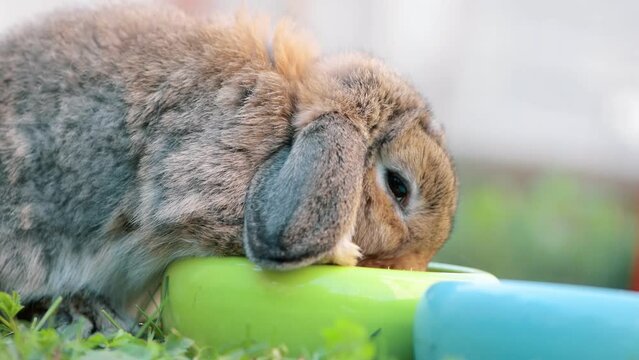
x=132, y=136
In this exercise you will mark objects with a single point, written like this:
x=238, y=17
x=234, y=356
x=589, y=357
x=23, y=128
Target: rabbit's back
x=128, y=138
x=65, y=150
x=65, y=159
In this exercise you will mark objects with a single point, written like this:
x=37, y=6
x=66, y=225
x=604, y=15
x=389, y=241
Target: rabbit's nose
x=416, y=261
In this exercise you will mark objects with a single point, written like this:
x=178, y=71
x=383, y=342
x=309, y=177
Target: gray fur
x=131, y=136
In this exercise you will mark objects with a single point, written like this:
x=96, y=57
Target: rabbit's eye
x=398, y=187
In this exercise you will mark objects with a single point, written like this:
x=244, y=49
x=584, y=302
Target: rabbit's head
x=365, y=181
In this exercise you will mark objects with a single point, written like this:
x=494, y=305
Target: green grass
x=36, y=340
x=547, y=227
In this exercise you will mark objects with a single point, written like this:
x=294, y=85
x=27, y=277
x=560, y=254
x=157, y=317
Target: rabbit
x=131, y=136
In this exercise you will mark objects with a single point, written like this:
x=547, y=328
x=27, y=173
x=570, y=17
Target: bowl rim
x=455, y=269
x=433, y=267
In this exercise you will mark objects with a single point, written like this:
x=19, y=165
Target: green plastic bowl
x=227, y=302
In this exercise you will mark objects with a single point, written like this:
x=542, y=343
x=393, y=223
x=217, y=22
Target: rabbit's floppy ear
x=302, y=202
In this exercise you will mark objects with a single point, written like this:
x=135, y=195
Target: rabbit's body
x=105, y=151
x=131, y=137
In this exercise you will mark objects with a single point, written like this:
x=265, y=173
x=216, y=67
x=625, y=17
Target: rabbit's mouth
x=414, y=261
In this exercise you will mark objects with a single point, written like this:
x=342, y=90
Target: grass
x=551, y=227
x=36, y=340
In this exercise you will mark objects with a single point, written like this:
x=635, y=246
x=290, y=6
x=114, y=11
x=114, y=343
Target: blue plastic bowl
x=523, y=320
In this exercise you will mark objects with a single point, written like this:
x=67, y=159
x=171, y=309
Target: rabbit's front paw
x=345, y=253
x=82, y=313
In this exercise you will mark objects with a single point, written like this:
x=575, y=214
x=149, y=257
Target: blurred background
x=540, y=102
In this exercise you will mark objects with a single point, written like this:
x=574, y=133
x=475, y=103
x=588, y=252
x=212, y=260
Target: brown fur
x=133, y=136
